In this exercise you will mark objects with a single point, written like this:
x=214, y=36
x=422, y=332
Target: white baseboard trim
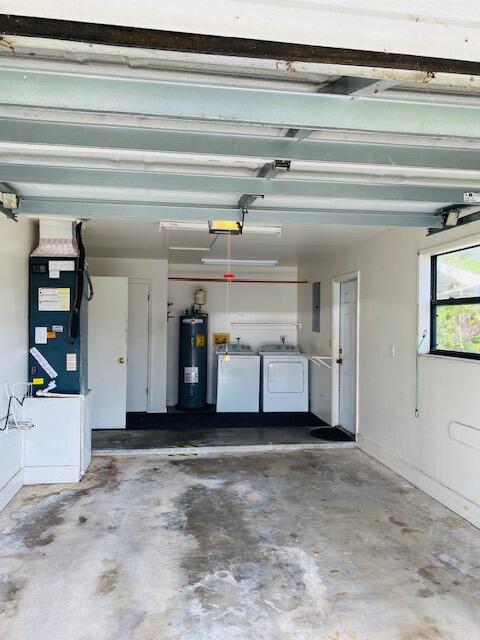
x=457, y=503
x=11, y=488
x=51, y=475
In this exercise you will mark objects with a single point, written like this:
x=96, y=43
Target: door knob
x=121, y=360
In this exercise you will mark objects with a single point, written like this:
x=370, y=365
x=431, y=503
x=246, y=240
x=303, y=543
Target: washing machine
x=284, y=378
x=238, y=378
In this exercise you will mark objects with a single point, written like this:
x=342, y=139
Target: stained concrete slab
x=304, y=545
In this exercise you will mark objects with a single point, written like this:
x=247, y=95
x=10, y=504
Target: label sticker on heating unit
x=71, y=361
x=61, y=265
x=54, y=299
x=190, y=375
x=43, y=362
x=40, y=335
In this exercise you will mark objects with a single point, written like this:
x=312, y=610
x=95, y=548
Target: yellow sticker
x=51, y=335
x=37, y=381
x=200, y=340
x=220, y=338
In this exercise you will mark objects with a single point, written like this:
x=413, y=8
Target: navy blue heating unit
x=192, y=369
x=58, y=324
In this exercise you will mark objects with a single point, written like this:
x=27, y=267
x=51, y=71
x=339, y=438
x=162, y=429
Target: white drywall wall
x=421, y=449
x=154, y=271
x=419, y=27
x=255, y=303
x=15, y=246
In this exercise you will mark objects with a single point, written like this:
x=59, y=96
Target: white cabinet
x=58, y=448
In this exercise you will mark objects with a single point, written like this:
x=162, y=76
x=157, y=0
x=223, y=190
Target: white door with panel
x=348, y=355
x=138, y=345
x=107, y=352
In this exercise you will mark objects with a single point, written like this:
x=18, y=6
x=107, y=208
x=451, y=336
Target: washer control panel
x=280, y=349
x=234, y=348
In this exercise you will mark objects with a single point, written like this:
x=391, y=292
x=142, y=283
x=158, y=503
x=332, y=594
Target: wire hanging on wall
x=417, y=378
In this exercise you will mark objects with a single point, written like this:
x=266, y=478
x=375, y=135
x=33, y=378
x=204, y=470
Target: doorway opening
x=345, y=337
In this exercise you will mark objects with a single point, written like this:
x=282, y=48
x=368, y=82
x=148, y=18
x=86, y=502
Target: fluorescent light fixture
x=183, y=226
x=238, y=262
x=268, y=231
x=189, y=248
x=203, y=226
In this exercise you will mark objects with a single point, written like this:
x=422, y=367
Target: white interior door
x=348, y=355
x=107, y=352
x=138, y=345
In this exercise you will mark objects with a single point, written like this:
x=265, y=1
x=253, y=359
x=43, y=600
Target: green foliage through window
x=458, y=328
x=455, y=316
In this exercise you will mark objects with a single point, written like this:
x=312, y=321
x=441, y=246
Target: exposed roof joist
x=295, y=110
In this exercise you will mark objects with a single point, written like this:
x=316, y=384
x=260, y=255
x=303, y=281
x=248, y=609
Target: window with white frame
x=455, y=303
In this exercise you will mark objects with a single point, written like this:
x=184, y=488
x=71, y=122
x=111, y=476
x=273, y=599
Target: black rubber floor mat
x=332, y=434
x=211, y=420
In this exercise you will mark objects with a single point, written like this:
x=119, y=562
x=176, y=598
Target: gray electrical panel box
x=316, y=307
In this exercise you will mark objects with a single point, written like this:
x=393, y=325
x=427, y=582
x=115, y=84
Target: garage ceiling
x=143, y=239
x=108, y=134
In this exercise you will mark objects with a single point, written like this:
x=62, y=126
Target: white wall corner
x=460, y=505
x=11, y=488
x=322, y=416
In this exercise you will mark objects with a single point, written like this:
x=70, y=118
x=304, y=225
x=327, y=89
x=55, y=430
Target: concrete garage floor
x=307, y=545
